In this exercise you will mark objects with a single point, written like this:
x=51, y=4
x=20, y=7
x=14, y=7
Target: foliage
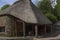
x=57, y=9
x=51, y=17
x=46, y=8
x=5, y=6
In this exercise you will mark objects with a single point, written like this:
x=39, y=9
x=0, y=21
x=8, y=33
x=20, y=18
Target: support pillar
x=51, y=28
x=16, y=29
x=24, y=29
x=36, y=30
x=45, y=28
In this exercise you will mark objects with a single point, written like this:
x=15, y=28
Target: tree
x=57, y=9
x=52, y=17
x=5, y=6
x=46, y=8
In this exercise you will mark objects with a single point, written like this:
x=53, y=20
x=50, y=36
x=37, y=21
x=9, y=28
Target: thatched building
x=22, y=19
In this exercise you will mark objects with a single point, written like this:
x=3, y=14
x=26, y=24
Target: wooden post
x=51, y=28
x=24, y=29
x=36, y=30
x=45, y=28
x=16, y=28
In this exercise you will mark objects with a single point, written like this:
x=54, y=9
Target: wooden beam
x=45, y=28
x=36, y=30
x=51, y=28
x=15, y=28
x=24, y=29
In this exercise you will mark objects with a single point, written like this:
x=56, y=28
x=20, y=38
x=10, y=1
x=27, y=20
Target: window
x=2, y=29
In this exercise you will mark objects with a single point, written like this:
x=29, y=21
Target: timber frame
x=12, y=26
x=15, y=18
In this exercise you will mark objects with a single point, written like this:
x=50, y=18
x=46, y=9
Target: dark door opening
x=48, y=29
x=30, y=31
x=19, y=28
x=40, y=29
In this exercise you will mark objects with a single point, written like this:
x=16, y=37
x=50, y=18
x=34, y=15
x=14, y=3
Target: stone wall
x=4, y=23
x=9, y=23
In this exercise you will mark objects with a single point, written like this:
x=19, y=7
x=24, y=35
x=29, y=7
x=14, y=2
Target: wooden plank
x=24, y=29
x=45, y=28
x=51, y=28
x=36, y=31
x=15, y=28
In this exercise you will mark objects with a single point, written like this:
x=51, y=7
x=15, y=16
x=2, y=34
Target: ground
x=24, y=38
x=54, y=36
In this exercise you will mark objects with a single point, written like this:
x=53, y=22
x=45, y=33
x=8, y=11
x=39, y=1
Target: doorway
x=42, y=29
x=19, y=28
x=30, y=30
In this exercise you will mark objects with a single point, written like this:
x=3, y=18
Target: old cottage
x=23, y=19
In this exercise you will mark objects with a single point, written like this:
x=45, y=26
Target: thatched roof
x=26, y=11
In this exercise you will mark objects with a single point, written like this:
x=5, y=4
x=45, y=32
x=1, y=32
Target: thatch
x=26, y=11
